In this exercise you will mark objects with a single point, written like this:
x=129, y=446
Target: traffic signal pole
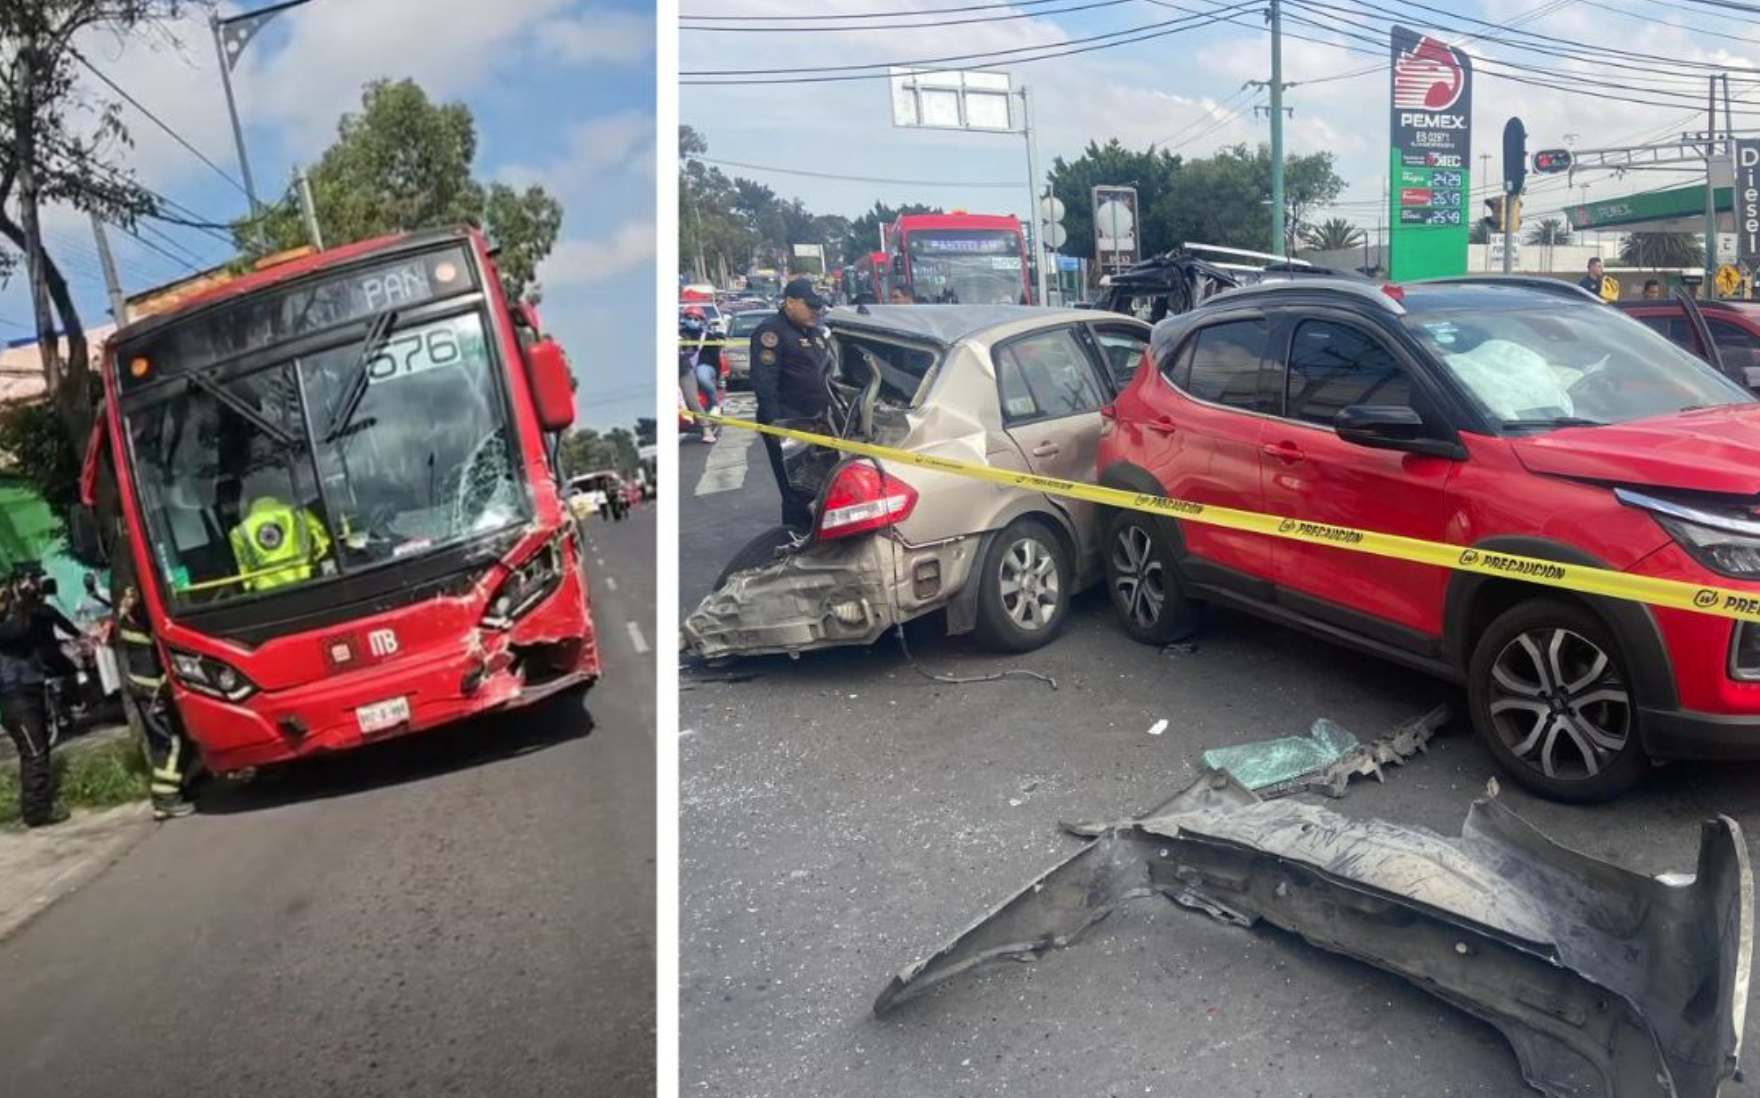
x=1710, y=193
x=1277, y=241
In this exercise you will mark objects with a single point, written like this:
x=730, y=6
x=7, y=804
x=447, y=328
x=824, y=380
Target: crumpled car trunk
x=1605, y=982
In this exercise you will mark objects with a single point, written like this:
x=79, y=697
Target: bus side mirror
x=552, y=385
x=898, y=265
x=82, y=535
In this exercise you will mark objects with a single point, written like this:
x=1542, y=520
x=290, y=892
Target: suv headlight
x=528, y=585
x=207, y=675
x=1725, y=540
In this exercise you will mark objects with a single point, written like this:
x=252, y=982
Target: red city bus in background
x=389, y=395
x=873, y=269
x=971, y=259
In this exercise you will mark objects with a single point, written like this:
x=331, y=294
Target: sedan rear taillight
x=726, y=366
x=862, y=498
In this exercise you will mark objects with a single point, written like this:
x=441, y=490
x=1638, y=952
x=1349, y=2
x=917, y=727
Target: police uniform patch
x=768, y=339
x=270, y=536
x=805, y=342
x=768, y=358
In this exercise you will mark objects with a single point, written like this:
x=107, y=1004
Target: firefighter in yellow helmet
x=277, y=544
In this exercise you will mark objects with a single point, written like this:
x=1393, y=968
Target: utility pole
x=1706, y=292
x=1485, y=177
x=308, y=208
x=118, y=303
x=1277, y=242
x=1038, y=255
x=244, y=161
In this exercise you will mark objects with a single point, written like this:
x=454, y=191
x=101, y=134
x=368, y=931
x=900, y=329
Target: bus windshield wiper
x=243, y=410
x=359, y=378
x=1551, y=421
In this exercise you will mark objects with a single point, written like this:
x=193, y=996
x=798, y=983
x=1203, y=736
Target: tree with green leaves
x=1334, y=234
x=1662, y=250
x=586, y=450
x=58, y=145
x=1152, y=173
x=403, y=162
x=1550, y=232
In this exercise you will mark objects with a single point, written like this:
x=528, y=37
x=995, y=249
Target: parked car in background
x=1508, y=416
x=1008, y=386
x=736, y=357
x=605, y=489
x=1734, y=325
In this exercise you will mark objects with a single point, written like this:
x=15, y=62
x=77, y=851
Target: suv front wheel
x=1142, y=576
x=1548, y=690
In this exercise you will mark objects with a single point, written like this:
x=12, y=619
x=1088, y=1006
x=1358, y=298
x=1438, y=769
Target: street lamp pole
x=244, y=160
x=231, y=35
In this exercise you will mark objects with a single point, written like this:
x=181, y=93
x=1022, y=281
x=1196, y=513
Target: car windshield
x=744, y=324
x=239, y=501
x=966, y=268
x=1538, y=369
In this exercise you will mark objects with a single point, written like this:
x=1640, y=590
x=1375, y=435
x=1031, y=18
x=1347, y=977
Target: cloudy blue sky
x=1185, y=90
x=563, y=94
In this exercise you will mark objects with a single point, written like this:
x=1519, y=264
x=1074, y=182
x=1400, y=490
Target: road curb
x=40, y=868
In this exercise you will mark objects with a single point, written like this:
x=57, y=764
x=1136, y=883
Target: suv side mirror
x=1391, y=427
x=552, y=385
x=82, y=535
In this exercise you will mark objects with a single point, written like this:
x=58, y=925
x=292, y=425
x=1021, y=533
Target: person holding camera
x=25, y=619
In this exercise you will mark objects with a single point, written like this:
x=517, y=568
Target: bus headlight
x=527, y=586
x=207, y=675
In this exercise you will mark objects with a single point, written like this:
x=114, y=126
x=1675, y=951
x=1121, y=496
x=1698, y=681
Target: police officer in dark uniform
x=790, y=357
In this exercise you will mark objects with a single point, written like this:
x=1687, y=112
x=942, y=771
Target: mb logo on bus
x=382, y=643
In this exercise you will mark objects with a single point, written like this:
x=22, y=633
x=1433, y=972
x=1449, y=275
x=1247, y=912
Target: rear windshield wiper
x=1551, y=421
x=360, y=378
x=243, y=410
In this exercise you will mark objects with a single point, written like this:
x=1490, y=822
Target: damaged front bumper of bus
x=1604, y=981
x=823, y=594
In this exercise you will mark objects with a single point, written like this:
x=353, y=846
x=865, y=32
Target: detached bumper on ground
x=829, y=593
x=1604, y=981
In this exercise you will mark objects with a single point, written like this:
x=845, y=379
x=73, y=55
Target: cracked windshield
x=412, y=453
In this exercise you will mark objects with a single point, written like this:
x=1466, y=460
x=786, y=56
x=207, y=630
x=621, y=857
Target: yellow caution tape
x=1718, y=601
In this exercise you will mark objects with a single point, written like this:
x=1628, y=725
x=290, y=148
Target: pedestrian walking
x=790, y=356
x=24, y=700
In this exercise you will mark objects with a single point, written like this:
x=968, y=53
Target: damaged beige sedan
x=1008, y=386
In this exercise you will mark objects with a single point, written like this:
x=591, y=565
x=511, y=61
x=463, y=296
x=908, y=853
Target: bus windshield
x=257, y=480
x=966, y=267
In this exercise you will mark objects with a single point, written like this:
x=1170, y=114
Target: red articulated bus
x=971, y=259
x=335, y=483
x=872, y=270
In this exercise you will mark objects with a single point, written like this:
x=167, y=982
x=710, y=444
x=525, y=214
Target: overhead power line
x=822, y=74
x=930, y=24
x=847, y=178
x=157, y=121
x=893, y=13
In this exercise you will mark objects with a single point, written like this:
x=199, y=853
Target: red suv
x=1511, y=415
x=1734, y=326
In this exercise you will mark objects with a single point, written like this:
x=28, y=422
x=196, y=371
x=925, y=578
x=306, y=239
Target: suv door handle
x=1287, y=452
x=1047, y=449
x=1162, y=423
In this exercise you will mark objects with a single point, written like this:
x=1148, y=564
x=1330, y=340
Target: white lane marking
x=610, y=583
x=635, y=637
x=600, y=561
x=726, y=468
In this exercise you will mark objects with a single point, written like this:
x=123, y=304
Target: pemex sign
x=1430, y=127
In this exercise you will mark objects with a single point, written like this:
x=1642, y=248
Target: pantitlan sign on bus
x=1428, y=178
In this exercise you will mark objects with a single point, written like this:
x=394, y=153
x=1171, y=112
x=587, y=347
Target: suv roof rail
x=1527, y=282
x=1372, y=292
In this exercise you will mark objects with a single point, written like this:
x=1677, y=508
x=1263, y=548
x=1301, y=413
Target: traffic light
x=1493, y=219
x=1552, y=161
x=1503, y=214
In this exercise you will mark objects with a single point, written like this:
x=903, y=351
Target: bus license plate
x=384, y=715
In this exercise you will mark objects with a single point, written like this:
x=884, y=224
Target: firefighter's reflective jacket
x=277, y=544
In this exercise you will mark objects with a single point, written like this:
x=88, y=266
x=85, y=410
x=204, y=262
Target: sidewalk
x=38, y=868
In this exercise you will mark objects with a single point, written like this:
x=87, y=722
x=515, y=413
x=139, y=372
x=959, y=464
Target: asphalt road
x=468, y=912
x=842, y=816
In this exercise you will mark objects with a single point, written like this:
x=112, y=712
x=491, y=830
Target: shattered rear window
x=904, y=371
